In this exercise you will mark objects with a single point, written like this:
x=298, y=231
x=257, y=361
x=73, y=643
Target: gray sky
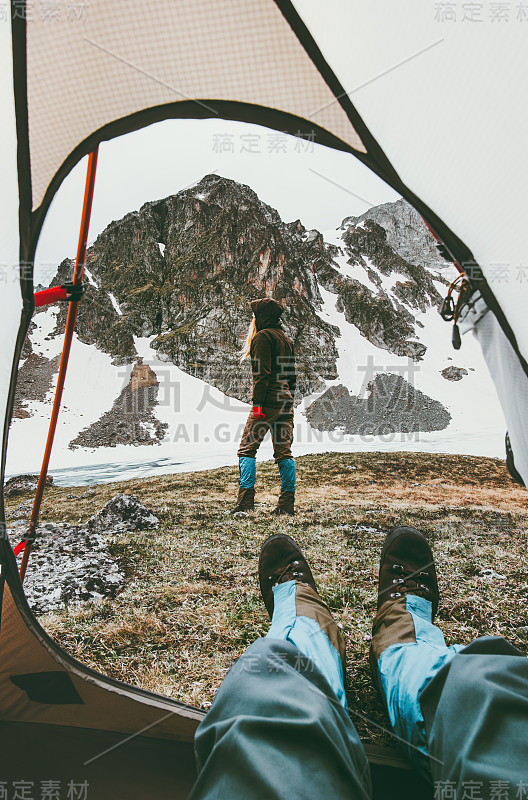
x=300, y=179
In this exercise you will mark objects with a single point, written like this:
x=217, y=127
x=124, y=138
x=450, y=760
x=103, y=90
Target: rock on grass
x=123, y=512
x=71, y=564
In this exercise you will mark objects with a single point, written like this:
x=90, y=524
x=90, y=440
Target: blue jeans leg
x=307, y=636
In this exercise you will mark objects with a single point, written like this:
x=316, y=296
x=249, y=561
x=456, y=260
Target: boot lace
x=410, y=583
x=287, y=573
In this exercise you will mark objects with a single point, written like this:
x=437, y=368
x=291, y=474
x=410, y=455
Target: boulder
x=124, y=512
x=392, y=405
x=20, y=484
x=73, y=563
x=453, y=373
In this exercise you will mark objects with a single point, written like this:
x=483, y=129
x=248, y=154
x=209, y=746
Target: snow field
x=205, y=426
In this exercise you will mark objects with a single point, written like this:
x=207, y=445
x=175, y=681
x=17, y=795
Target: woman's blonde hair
x=244, y=353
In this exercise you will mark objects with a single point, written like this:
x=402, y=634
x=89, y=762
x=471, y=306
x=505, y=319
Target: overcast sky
x=300, y=179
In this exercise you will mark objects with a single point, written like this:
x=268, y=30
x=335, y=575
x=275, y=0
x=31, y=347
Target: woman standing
x=273, y=366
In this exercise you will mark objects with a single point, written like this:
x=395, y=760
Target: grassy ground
x=191, y=605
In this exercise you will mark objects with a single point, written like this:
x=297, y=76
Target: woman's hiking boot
x=245, y=501
x=285, y=504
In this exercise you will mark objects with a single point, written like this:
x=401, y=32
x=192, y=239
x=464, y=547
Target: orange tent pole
x=68, y=335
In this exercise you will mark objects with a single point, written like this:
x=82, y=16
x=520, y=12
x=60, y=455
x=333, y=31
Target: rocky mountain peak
x=142, y=376
x=182, y=271
x=405, y=232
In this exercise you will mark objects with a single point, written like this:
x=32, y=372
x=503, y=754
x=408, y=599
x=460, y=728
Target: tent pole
x=68, y=335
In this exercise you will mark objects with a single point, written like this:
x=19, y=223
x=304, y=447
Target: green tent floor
x=115, y=767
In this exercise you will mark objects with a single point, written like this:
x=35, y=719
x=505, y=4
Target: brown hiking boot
x=285, y=504
x=281, y=560
x=245, y=502
x=407, y=567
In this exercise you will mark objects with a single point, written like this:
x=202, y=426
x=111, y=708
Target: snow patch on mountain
x=42, y=340
x=115, y=303
x=204, y=423
x=91, y=279
x=476, y=408
x=92, y=385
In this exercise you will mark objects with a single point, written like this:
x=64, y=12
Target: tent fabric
x=149, y=737
x=445, y=102
x=134, y=769
x=511, y=384
x=385, y=82
x=85, y=73
x=300, y=64
x=105, y=703
x=113, y=709
x=11, y=303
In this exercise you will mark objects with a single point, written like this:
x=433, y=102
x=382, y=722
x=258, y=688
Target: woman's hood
x=267, y=312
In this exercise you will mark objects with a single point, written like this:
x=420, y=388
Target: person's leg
x=298, y=614
x=252, y=436
x=255, y=430
x=282, y=433
x=407, y=650
x=276, y=729
x=248, y=472
x=246, y=491
x=282, y=436
x=476, y=718
x=288, y=475
x=441, y=732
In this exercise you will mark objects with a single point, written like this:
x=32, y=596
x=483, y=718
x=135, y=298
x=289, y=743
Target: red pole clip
x=50, y=296
x=66, y=291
